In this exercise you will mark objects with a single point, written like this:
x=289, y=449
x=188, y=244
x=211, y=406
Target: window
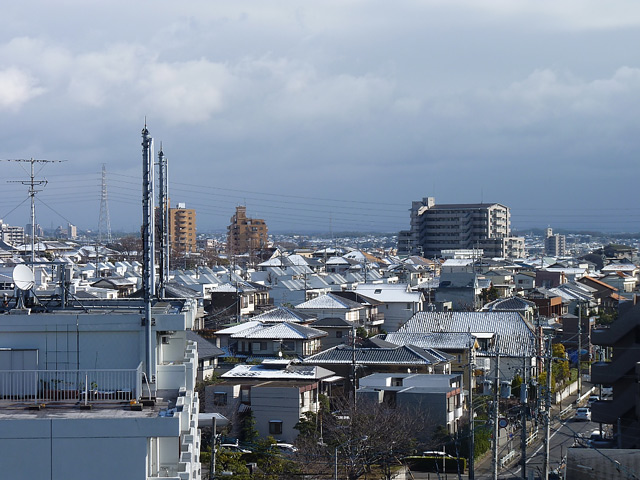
x=338, y=333
x=275, y=427
x=219, y=398
x=245, y=395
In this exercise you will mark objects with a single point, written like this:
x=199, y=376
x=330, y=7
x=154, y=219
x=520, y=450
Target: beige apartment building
x=182, y=229
x=245, y=235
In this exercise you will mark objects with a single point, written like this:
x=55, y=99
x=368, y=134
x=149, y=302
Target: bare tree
x=361, y=438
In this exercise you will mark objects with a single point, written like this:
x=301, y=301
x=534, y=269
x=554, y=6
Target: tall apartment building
x=245, y=235
x=182, y=229
x=555, y=245
x=10, y=234
x=461, y=226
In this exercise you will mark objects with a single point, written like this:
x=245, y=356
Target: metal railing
x=43, y=386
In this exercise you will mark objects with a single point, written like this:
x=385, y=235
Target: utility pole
x=496, y=408
x=472, y=432
x=579, y=350
x=547, y=410
x=32, y=183
x=523, y=401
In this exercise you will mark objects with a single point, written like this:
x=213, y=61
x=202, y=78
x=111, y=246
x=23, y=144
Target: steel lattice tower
x=104, y=228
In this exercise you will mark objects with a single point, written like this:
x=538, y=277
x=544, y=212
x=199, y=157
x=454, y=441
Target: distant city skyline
x=325, y=117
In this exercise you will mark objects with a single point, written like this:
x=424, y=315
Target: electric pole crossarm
x=32, y=183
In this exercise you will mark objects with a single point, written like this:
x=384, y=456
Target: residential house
x=438, y=398
x=255, y=339
x=331, y=305
x=276, y=393
x=462, y=347
x=505, y=333
x=400, y=303
x=380, y=356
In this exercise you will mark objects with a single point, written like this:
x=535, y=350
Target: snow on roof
x=283, y=314
x=389, y=293
x=288, y=372
x=329, y=302
x=281, y=331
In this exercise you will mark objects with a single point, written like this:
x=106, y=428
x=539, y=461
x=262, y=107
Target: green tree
x=560, y=367
x=248, y=430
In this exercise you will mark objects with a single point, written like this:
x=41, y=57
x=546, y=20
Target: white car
x=435, y=453
x=286, y=447
x=234, y=447
x=583, y=413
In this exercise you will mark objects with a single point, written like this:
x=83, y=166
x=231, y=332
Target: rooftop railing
x=45, y=386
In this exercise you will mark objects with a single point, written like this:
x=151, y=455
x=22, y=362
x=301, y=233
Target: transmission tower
x=104, y=228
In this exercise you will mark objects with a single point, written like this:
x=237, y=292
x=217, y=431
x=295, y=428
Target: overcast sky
x=327, y=115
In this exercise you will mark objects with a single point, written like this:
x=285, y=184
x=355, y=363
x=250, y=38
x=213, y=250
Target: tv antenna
x=32, y=183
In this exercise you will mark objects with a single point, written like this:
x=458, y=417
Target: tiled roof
x=516, y=336
x=442, y=341
x=402, y=355
x=241, y=327
x=509, y=304
x=284, y=314
x=329, y=302
x=283, y=331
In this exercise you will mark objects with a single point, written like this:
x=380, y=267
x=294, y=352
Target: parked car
x=234, y=447
x=286, y=447
x=433, y=453
x=583, y=413
x=592, y=399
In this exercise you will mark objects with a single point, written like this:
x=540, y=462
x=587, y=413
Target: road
x=563, y=435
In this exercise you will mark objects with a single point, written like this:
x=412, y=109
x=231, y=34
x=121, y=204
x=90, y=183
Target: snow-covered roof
x=329, y=302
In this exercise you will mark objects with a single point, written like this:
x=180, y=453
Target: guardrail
x=507, y=458
x=565, y=411
x=42, y=386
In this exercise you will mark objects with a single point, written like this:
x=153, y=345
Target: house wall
x=276, y=403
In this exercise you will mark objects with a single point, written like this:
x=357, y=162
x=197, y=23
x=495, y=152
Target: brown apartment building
x=245, y=235
x=182, y=229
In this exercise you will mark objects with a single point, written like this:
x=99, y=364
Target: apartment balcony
x=623, y=364
x=608, y=411
x=71, y=386
x=618, y=329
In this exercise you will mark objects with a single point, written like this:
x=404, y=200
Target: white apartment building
x=435, y=228
x=75, y=402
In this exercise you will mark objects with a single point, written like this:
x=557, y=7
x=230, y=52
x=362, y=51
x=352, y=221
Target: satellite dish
x=23, y=277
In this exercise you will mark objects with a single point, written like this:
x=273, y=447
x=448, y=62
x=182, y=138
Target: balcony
x=623, y=363
x=608, y=411
x=65, y=386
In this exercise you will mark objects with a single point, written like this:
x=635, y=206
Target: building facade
x=245, y=235
x=461, y=226
x=182, y=229
x=555, y=245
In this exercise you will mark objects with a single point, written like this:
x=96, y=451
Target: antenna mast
x=104, y=227
x=32, y=183
x=148, y=235
x=163, y=217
